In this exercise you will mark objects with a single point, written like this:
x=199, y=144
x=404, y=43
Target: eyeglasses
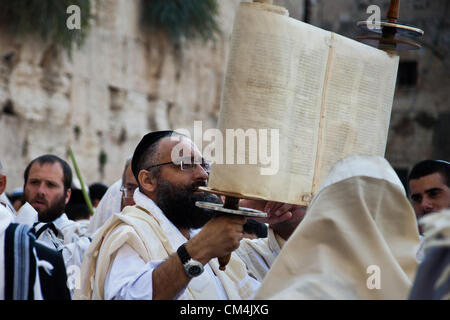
x=128, y=191
x=186, y=164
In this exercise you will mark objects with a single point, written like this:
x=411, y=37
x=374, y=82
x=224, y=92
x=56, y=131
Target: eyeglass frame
x=125, y=191
x=180, y=165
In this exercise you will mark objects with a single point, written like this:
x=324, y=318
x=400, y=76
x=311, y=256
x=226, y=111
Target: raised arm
x=219, y=237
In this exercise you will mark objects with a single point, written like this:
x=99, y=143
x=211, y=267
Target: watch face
x=195, y=271
x=193, y=268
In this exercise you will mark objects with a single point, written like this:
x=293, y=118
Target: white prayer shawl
x=259, y=254
x=83, y=227
x=154, y=237
x=5, y=220
x=108, y=205
x=4, y=201
x=71, y=239
x=358, y=239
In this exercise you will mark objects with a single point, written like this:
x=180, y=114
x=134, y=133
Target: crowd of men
x=148, y=240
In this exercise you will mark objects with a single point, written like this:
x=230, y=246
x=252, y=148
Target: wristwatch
x=193, y=268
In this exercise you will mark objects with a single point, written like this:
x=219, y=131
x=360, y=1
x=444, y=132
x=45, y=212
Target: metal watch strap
x=183, y=254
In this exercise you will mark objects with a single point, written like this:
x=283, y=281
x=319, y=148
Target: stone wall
x=120, y=85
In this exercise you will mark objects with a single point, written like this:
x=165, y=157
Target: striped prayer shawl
x=20, y=263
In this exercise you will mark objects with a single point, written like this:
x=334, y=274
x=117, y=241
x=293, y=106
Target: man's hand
x=283, y=218
x=276, y=211
x=219, y=237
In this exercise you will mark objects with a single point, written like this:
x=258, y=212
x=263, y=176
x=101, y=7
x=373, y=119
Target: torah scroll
x=308, y=96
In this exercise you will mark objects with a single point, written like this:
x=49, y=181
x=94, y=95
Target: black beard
x=53, y=212
x=178, y=204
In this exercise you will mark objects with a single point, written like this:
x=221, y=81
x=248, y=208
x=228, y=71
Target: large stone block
x=27, y=95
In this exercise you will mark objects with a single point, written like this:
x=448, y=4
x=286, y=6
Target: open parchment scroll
x=328, y=96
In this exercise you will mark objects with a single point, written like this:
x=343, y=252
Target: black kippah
x=146, y=142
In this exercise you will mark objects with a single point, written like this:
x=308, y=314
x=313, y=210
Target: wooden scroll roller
x=389, y=30
x=230, y=206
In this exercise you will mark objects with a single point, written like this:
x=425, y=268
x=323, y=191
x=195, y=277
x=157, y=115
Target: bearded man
x=47, y=182
x=155, y=249
x=47, y=188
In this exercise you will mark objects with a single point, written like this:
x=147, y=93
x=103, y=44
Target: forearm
x=169, y=278
x=219, y=237
x=130, y=277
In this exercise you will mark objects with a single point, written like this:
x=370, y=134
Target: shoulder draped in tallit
x=146, y=233
x=360, y=222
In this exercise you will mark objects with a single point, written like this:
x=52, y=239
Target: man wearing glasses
x=129, y=184
x=118, y=196
x=155, y=249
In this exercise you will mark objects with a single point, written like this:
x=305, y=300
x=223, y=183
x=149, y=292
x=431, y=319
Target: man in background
x=96, y=193
x=28, y=270
x=118, y=196
x=16, y=198
x=429, y=186
x=47, y=188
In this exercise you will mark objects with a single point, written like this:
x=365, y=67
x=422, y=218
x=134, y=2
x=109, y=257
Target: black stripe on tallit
x=20, y=263
x=9, y=261
x=42, y=228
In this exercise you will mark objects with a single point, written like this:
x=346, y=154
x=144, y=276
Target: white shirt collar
x=61, y=221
